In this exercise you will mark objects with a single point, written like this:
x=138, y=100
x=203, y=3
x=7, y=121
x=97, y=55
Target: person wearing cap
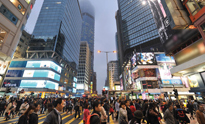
x=138, y=116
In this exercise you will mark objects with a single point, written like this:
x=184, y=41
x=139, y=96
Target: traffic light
x=8, y=90
x=175, y=93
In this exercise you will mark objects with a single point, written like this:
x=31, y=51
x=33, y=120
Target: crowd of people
x=100, y=110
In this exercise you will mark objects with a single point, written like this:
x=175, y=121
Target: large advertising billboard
x=169, y=38
x=3, y=67
x=143, y=59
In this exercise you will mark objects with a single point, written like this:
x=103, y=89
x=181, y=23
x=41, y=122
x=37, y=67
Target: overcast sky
x=105, y=29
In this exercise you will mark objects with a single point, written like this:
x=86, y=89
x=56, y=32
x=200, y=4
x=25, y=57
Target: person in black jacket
x=129, y=112
x=34, y=116
x=190, y=107
x=54, y=117
x=25, y=117
x=144, y=108
x=107, y=108
x=95, y=119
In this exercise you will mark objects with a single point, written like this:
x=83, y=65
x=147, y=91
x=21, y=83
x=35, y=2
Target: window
x=8, y=14
x=195, y=6
x=2, y=36
x=203, y=27
x=18, y=5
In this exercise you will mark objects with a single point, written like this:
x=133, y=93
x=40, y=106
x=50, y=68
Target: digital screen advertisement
x=14, y=73
x=143, y=59
x=117, y=87
x=164, y=58
x=79, y=86
x=3, y=67
x=164, y=69
x=193, y=81
x=41, y=73
x=43, y=64
x=11, y=83
x=169, y=38
x=39, y=84
x=172, y=81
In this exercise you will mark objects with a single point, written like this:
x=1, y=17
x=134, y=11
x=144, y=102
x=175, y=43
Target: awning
x=195, y=65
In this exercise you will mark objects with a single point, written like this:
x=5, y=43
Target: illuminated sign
x=3, y=67
x=143, y=59
x=74, y=90
x=39, y=84
x=117, y=87
x=80, y=86
x=164, y=58
x=74, y=84
x=193, y=81
x=28, y=1
x=75, y=79
x=41, y=73
x=172, y=81
x=43, y=64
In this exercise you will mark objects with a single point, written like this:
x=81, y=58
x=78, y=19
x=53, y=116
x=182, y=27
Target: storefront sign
x=172, y=81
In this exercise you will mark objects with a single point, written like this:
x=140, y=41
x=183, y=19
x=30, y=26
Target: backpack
x=87, y=121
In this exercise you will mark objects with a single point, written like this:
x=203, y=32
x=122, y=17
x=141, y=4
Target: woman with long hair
x=24, y=119
x=152, y=114
x=123, y=114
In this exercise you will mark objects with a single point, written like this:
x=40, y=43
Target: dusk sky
x=105, y=29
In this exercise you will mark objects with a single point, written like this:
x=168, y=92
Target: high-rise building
x=52, y=58
x=22, y=45
x=88, y=28
x=13, y=17
x=83, y=75
x=136, y=32
x=112, y=73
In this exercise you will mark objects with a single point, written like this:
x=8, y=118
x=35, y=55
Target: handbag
x=123, y=120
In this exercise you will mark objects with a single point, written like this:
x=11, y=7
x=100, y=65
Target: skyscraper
x=136, y=32
x=112, y=73
x=53, y=54
x=83, y=75
x=88, y=25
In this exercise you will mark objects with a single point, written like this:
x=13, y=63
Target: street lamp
x=107, y=53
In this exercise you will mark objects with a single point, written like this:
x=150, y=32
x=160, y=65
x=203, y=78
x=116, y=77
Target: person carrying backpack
x=23, y=107
x=181, y=116
x=96, y=116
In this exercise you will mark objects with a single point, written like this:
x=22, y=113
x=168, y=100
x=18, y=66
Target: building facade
x=136, y=32
x=83, y=76
x=22, y=45
x=14, y=15
x=88, y=28
x=112, y=74
x=95, y=83
x=53, y=54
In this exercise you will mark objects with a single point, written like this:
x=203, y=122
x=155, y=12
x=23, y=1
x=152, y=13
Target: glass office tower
x=59, y=29
x=137, y=23
x=88, y=26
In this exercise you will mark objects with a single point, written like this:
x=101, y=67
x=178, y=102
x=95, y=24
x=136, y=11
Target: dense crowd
x=99, y=110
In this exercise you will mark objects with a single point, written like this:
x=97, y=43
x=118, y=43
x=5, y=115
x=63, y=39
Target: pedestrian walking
x=132, y=108
x=138, y=116
x=54, y=117
x=24, y=106
x=103, y=114
x=8, y=110
x=152, y=114
x=169, y=114
x=77, y=109
x=95, y=118
x=123, y=114
x=86, y=113
x=33, y=118
x=117, y=108
x=25, y=117
x=200, y=115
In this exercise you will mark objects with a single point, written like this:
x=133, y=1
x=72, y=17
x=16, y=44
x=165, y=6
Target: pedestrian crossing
x=66, y=118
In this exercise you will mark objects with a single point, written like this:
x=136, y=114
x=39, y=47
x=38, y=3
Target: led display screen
x=39, y=84
x=74, y=84
x=143, y=59
x=117, y=87
x=11, y=83
x=16, y=64
x=172, y=81
x=74, y=90
x=14, y=73
x=75, y=79
x=170, y=39
x=79, y=86
x=164, y=58
x=43, y=64
x=3, y=66
x=193, y=81
x=164, y=69
x=41, y=73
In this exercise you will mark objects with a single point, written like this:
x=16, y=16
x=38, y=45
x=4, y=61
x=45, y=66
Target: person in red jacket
x=132, y=108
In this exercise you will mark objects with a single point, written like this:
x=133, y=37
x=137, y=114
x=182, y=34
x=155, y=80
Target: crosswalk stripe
x=81, y=122
x=15, y=119
x=111, y=120
x=45, y=117
x=73, y=119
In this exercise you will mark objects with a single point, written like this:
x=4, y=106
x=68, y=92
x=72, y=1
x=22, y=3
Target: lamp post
x=107, y=59
x=107, y=53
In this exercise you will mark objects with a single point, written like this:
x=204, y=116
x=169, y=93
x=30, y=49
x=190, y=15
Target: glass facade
x=88, y=24
x=58, y=28
x=138, y=25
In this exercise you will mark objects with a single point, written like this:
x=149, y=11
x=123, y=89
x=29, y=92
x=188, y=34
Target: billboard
x=193, y=81
x=44, y=64
x=170, y=39
x=3, y=67
x=39, y=84
x=41, y=73
x=14, y=73
x=172, y=81
x=164, y=58
x=164, y=69
x=143, y=59
x=11, y=83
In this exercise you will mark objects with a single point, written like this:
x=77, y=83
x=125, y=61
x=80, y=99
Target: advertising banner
x=14, y=73
x=11, y=83
x=164, y=58
x=3, y=67
x=170, y=39
x=143, y=59
x=193, y=81
x=172, y=81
